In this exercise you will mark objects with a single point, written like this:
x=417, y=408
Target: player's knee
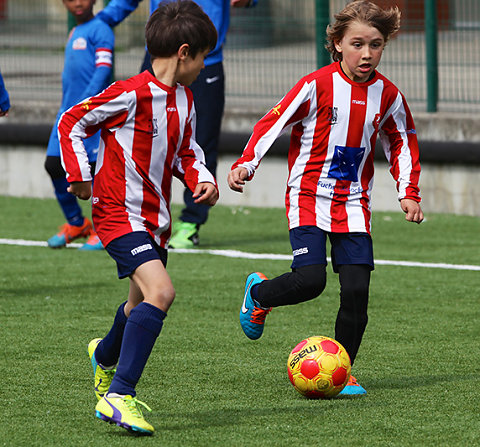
x=162, y=297
x=54, y=167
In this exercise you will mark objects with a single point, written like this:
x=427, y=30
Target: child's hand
x=412, y=210
x=236, y=179
x=82, y=190
x=206, y=193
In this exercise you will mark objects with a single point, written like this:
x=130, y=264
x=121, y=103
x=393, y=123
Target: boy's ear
x=183, y=51
x=338, y=47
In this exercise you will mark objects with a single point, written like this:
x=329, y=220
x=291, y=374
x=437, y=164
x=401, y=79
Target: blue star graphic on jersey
x=345, y=163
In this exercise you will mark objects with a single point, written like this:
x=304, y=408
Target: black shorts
x=134, y=249
x=309, y=247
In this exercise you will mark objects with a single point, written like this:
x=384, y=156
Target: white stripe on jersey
x=159, y=154
x=296, y=173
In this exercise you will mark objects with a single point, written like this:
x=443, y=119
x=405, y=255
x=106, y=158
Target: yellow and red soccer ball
x=319, y=367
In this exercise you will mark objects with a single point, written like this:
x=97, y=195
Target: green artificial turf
x=208, y=385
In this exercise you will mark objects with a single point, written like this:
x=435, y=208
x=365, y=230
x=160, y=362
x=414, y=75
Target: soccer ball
x=319, y=367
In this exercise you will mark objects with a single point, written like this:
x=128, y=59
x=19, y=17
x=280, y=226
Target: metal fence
x=268, y=49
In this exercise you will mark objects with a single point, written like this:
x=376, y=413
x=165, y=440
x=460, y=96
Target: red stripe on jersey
x=308, y=186
x=356, y=122
x=145, y=124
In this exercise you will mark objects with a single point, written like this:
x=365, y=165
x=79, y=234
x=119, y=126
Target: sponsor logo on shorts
x=300, y=251
x=141, y=249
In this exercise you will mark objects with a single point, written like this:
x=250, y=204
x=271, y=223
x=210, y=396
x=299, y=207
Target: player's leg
x=306, y=281
x=151, y=294
x=209, y=96
x=352, y=259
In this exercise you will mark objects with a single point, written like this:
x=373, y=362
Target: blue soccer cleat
x=352, y=388
x=252, y=317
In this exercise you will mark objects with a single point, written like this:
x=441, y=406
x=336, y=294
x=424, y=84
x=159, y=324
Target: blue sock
x=141, y=331
x=68, y=202
x=108, y=350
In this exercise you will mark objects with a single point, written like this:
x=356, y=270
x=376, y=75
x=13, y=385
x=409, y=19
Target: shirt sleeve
x=108, y=110
x=117, y=10
x=104, y=42
x=294, y=107
x=399, y=140
x=189, y=165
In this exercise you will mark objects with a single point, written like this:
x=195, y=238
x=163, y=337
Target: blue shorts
x=134, y=249
x=309, y=247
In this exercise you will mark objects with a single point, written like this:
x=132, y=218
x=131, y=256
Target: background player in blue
x=209, y=96
x=4, y=98
x=87, y=71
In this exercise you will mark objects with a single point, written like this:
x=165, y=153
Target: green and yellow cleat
x=103, y=377
x=125, y=412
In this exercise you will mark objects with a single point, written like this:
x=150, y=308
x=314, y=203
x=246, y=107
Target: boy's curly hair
x=387, y=21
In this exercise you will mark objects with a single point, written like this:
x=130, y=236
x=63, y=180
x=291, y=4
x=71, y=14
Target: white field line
x=270, y=256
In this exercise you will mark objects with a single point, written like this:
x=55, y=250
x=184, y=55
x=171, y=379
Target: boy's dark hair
x=387, y=21
x=177, y=22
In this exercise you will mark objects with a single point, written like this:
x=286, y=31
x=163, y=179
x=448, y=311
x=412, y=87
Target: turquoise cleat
x=252, y=316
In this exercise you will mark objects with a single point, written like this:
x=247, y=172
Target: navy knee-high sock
x=108, y=350
x=141, y=331
x=68, y=202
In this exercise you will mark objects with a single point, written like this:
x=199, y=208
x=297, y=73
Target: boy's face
x=191, y=67
x=361, y=47
x=82, y=10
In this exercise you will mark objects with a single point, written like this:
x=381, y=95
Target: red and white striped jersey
x=146, y=138
x=335, y=123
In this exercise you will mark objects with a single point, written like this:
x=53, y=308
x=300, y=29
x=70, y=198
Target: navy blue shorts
x=134, y=249
x=309, y=247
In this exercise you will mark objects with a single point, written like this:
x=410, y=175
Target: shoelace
x=133, y=407
x=259, y=315
x=352, y=381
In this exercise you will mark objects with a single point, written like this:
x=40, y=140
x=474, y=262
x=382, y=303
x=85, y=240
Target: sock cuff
x=120, y=317
x=147, y=316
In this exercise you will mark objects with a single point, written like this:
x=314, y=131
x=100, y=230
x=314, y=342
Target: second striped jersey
x=334, y=124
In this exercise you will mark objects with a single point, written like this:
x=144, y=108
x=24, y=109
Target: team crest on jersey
x=153, y=127
x=79, y=44
x=376, y=121
x=332, y=115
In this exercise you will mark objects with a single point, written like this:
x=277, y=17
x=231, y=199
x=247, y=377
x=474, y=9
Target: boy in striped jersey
x=86, y=72
x=147, y=126
x=335, y=115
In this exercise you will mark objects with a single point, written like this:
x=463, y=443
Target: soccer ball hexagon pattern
x=319, y=367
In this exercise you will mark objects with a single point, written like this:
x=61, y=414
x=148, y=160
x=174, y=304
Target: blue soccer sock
x=108, y=350
x=141, y=331
x=68, y=202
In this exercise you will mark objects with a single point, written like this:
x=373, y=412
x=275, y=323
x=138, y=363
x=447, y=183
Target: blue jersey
x=4, y=99
x=87, y=71
x=217, y=10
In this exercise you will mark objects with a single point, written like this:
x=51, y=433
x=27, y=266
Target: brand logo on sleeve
x=276, y=110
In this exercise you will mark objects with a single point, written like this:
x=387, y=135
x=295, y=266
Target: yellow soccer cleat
x=102, y=377
x=125, y=412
